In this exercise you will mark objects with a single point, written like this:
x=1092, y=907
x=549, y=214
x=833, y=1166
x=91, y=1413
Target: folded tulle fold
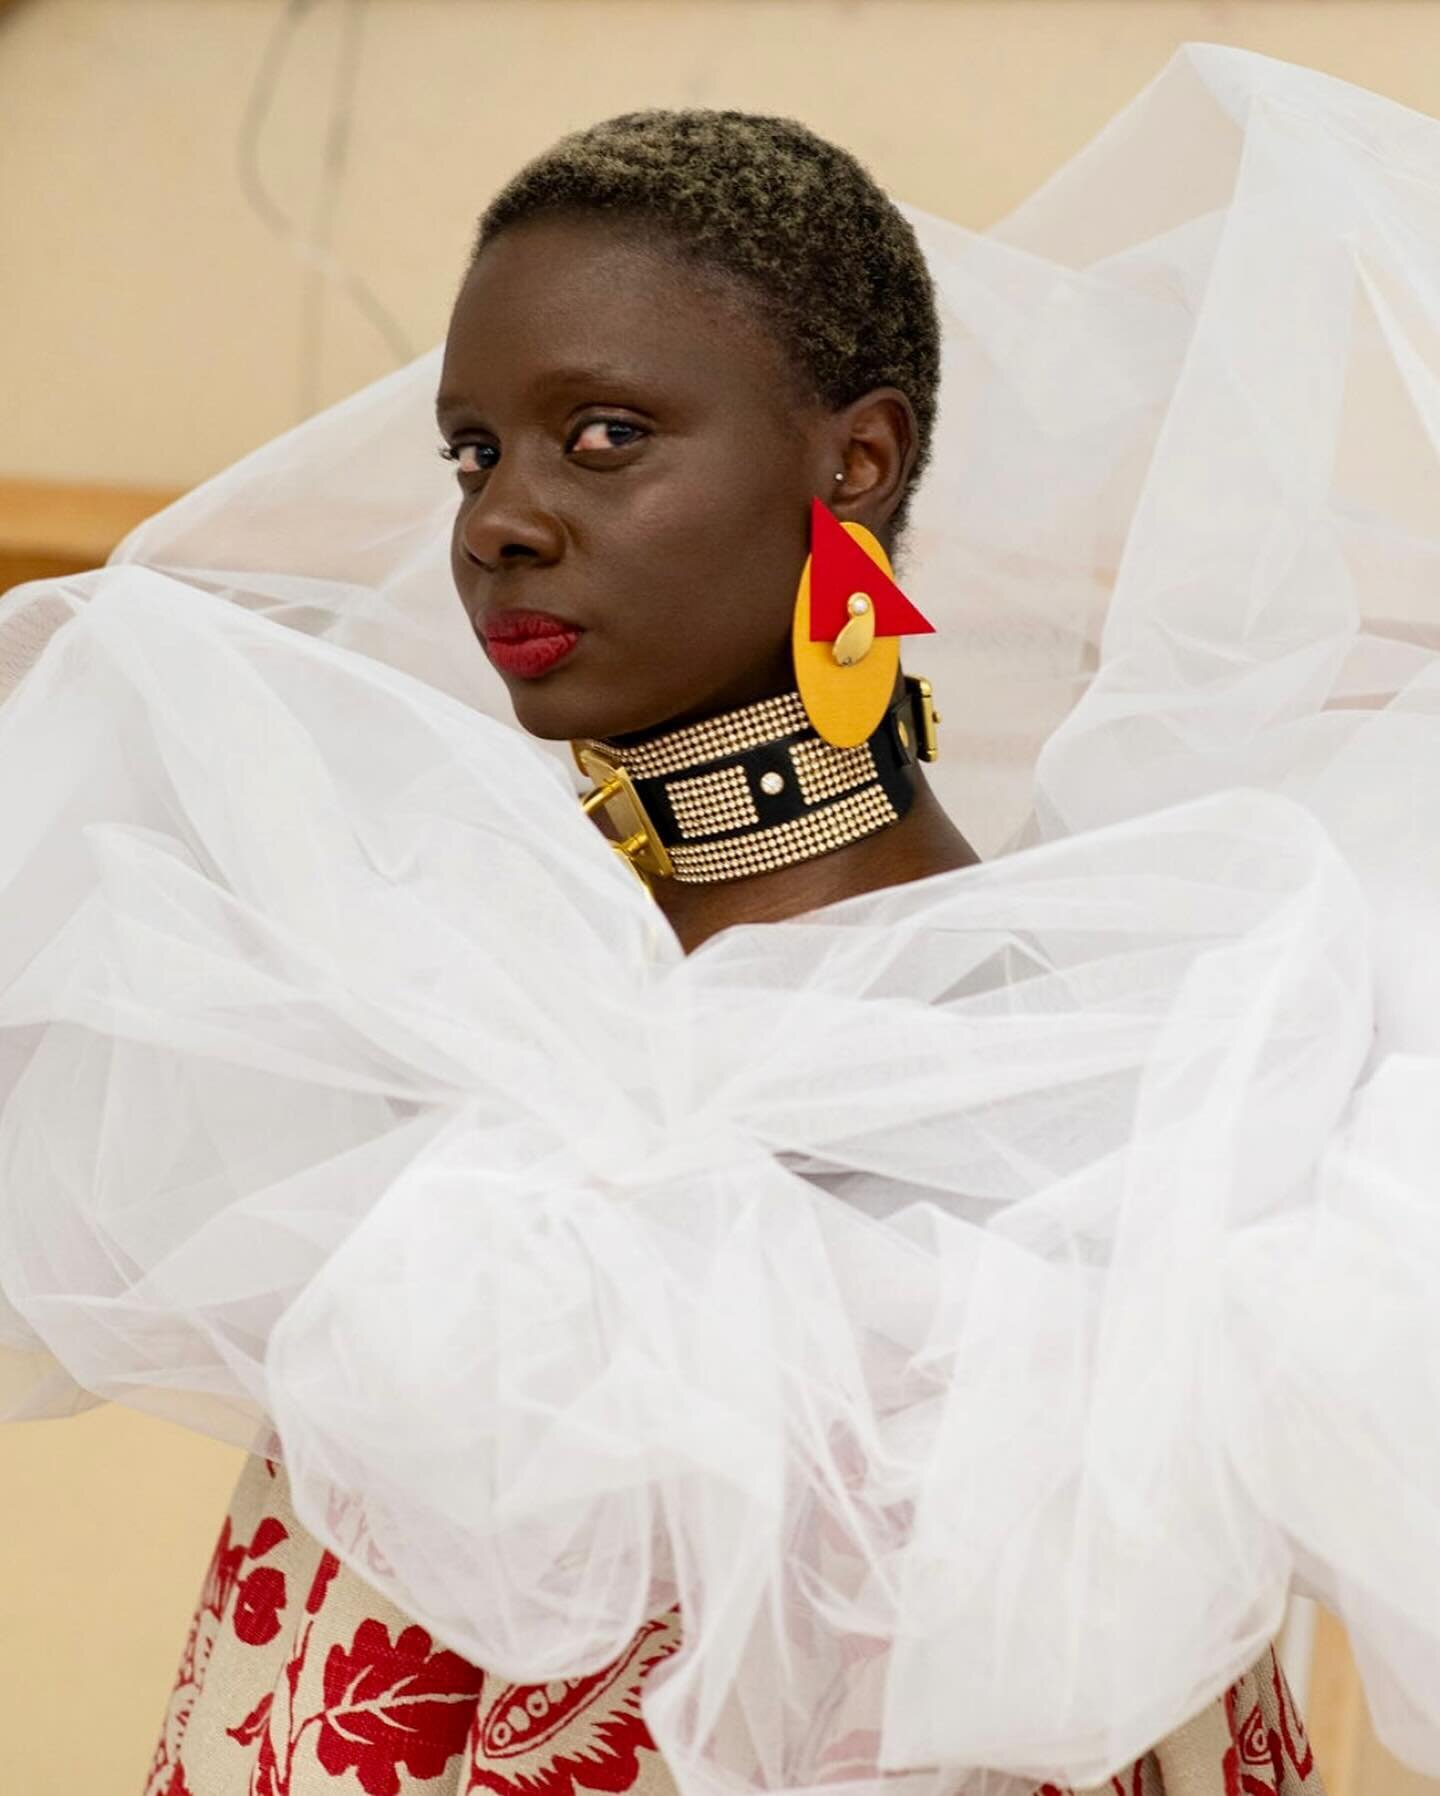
x=888, y=1289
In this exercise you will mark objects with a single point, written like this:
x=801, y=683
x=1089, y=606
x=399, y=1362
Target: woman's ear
x=874, y=445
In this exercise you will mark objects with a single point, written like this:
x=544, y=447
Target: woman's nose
x=508, y=522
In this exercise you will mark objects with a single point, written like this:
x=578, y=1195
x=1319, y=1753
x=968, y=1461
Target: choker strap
x=755, y=789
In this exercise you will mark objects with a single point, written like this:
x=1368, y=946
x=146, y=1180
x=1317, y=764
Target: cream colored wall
x=153, y=330
x=152, y=324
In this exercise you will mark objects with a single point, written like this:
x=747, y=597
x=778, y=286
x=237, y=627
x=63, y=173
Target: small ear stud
x=839, y=476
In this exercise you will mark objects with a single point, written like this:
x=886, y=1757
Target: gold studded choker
x=754, y=789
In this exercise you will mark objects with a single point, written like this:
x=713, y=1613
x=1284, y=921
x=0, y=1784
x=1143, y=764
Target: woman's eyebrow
x=595, y=379
x=588, y=377
x=448, y=406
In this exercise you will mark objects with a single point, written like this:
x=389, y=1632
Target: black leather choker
x=755, y=789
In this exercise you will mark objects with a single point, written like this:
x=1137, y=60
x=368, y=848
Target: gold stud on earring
x=853, y=642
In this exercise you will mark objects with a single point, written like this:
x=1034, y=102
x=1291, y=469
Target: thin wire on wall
x=313, y=244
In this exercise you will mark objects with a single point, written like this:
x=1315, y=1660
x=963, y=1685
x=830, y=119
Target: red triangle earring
x=845, y=635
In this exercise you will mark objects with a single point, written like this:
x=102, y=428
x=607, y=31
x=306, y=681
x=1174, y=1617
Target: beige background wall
x=152, y=327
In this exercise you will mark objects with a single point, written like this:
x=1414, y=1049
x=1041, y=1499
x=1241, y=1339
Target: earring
x=845, y=634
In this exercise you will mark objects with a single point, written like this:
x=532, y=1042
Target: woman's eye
x=606, y=433
x=471, y=458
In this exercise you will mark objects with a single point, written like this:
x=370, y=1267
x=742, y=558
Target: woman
x=875, y=1339
x=646, y=378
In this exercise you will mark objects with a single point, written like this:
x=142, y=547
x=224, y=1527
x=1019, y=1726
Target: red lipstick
x=528, y=643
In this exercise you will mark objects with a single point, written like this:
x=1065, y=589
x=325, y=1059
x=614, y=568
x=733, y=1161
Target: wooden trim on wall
x=53, y=527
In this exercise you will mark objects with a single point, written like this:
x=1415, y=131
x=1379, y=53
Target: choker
x=754, y=789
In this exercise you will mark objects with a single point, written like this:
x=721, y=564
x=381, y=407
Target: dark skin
x=637, y=458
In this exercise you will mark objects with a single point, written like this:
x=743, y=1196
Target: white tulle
x=977, y=1304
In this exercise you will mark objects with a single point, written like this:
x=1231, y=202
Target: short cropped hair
x=830, y=265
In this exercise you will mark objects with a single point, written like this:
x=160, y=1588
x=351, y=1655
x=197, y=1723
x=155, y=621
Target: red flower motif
x=1250, y=1747
x=269, y=1534
x=258, y=1602
x=1260, y=1745
x=1292, y=1729
x=320, y=1583
x=388, y=1705
x=518, y=1748
x=254, y=1723
x=222, y=1586
x=270, y=1779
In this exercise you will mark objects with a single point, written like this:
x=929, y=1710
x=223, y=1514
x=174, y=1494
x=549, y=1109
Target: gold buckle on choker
x=924, y=692
x=636, y=840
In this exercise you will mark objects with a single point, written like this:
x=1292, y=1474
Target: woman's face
x=635, y=462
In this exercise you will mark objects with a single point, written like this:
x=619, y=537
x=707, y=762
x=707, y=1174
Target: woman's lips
x=528, y=643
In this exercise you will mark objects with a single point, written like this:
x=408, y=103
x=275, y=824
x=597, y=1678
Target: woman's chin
x=548, y=710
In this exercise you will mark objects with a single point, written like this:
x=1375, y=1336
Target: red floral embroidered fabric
x=298, y=1679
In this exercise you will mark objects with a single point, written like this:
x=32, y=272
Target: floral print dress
x=298, y=1679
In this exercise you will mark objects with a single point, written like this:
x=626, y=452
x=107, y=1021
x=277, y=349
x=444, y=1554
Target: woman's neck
x=758, y=787
x=923, y=842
